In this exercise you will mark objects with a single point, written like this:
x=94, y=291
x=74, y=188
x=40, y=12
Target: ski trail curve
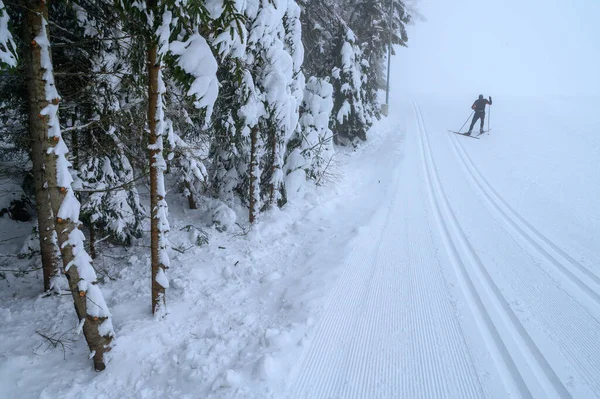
x=390, y=328
x=524, y=365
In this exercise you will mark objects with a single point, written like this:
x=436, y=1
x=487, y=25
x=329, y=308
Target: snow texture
x=161, y=278
x=223, y=216
x=436, y=267
x=196, y=58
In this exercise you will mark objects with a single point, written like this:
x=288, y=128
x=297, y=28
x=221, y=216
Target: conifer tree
x=348, y=40
x=350, y=118
x=44, y=170
x=278, y=54
x=311, y=150
x=93, y=68
x=92, y=311
x=196, y=68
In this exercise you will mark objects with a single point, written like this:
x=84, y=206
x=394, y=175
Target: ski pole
x=489, y=118
x=466, y=121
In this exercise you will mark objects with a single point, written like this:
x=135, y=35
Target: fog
x=502, y=47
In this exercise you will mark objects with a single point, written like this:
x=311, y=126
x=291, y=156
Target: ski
x=463, y=134
x=485, y=131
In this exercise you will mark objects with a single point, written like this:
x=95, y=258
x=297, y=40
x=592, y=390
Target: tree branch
x=106, y=190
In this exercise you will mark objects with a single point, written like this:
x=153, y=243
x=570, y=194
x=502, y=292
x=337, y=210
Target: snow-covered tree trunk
x=158, y=291
x=275, y=169
x=40, y=143
x=94, y=317
x=190, y=195
x=254, y=175
x=159, y=225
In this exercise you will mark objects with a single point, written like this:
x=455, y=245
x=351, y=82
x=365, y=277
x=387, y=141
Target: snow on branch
x=8, y=49
x=196, y=58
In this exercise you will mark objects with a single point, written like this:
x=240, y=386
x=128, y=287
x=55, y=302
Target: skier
x=479, y=108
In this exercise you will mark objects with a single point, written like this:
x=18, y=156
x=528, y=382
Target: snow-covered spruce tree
x=187, y=164
x=92, y=67
x=311, y=150
x=112, y=203
x=332, y=51
x=102, y=107
x=94, y=316
x=320, y=20
x=223, y=174
x=348, y=39
x=195, y=67
x=350, y=118
x=257, y=111
x=376, y=25
x=227, y=155
x=275, y=46
x=236, y=145
x=227, y=148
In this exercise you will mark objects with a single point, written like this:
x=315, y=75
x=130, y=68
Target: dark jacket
x=479, y=104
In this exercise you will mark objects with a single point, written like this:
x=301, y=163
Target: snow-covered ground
x=432, y=266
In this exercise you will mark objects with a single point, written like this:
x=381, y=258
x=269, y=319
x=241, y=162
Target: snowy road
x=451, y=293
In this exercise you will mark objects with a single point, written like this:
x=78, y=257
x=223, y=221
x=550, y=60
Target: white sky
x=504, y=47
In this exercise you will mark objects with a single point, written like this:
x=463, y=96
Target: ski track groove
x=366, y=345
x=450, y=325
x=365, y=330
x=565, y=324
x=330, y=319
x=337, y=300
x=368, y=325
x=384, y=322
x=506, y=367
x=440, y=380
x=579, y=275
x=446, y=307
x=430, y=337
x=561, y=320
x=535, y=360
x=376, y=347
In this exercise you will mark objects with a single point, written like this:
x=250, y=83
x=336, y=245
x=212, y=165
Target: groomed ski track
x=450, y=293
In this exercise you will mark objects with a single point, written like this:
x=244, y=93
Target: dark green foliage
x=367, y=27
